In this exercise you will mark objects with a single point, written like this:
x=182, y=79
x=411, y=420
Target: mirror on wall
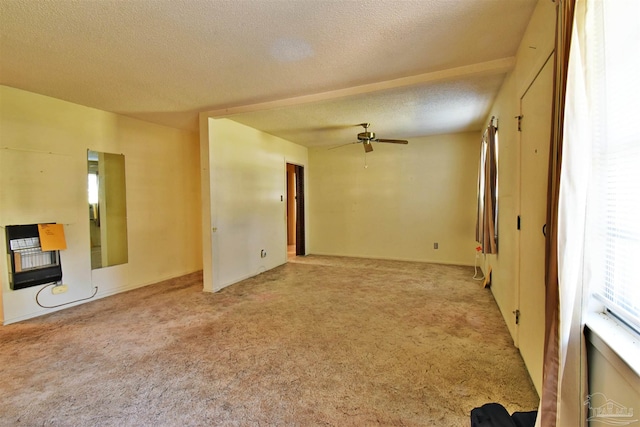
x=107, y=209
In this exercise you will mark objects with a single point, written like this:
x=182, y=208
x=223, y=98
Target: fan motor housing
x=366, y=136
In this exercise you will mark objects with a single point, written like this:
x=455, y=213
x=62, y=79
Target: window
x=612, y=57
x=93, y=188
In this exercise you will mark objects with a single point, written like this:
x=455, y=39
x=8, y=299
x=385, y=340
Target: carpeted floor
x=321, y=341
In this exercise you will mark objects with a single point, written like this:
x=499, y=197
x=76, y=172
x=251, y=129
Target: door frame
x=522, y=245
x=300, y=223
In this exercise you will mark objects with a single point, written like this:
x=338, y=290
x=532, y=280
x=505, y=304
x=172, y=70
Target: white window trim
x=616, y=342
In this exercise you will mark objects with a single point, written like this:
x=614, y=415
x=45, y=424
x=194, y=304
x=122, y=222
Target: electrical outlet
x=59, y=289
x=435, y=245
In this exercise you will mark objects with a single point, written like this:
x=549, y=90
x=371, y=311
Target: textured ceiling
x=334, y=63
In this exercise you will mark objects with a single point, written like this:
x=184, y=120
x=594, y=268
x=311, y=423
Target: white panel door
x=535, y=109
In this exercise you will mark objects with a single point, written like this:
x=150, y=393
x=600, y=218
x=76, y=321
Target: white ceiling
x=305, y=70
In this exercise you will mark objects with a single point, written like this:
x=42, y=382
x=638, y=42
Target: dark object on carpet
x=491, y=415
x=525, y=419
x=495, y=415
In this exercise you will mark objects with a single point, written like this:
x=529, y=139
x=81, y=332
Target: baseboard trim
x=426, y=261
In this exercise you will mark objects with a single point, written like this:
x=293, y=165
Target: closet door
x=535, y=130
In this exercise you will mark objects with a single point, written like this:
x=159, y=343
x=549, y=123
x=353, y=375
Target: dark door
x=300, y=230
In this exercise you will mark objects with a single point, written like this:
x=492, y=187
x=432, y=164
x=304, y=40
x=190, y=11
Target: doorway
x=295, y=211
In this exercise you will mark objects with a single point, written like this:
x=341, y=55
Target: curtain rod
x=493, y=122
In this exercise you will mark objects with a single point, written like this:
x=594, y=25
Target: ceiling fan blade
x=393, y=141
x=367, y=146
x=342, y=145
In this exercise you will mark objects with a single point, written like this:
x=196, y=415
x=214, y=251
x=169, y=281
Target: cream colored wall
x=535, y=48
x=246, y=174
x=43, y=153
x=406, y=199
x=612, y=377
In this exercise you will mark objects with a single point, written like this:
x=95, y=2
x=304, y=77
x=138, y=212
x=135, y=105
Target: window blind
x=613, y=74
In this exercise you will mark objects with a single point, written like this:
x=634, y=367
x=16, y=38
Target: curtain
x=564, y=369
x=600, y=139
x=487, y=212
x=573, y=227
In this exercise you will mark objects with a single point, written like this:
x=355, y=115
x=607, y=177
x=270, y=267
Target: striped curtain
x=487, y=213
x=551, y=414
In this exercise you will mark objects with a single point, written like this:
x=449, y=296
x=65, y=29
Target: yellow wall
x=46, y=140
x=246, y=172
x=406, y=199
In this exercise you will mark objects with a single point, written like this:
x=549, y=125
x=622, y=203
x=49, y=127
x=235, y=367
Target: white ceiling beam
x=498, y=66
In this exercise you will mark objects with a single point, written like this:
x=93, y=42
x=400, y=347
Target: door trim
x=299, y=202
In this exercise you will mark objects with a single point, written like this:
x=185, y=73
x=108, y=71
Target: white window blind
x=613, y=73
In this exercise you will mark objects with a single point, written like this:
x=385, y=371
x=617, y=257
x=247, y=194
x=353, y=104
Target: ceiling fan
x=368, y=137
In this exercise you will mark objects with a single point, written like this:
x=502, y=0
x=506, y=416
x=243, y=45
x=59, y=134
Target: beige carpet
x=321, y=341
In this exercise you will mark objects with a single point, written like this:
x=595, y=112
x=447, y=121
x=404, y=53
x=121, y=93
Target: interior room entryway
x=295, y=211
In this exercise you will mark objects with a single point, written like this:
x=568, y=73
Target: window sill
x=615, y=341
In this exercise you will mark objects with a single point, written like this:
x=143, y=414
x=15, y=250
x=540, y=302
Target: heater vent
x=30, y=265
